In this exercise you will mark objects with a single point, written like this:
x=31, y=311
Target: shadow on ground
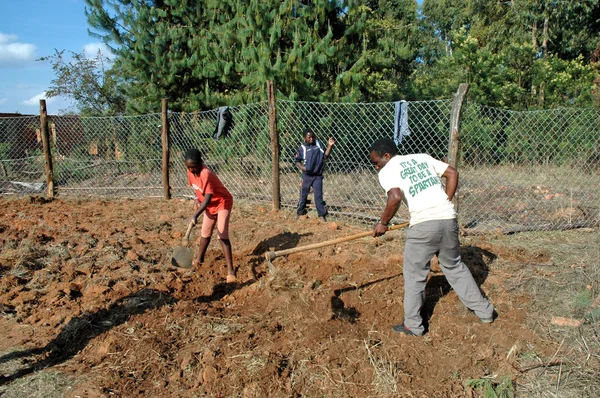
x=476, y=259
x=76, y=334
x=286, y=240
x=350, y=314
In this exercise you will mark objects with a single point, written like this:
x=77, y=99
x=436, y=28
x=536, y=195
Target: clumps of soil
x=87, y=287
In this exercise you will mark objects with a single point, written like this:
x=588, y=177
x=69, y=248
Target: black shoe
x=491, y=319
x=403, y=330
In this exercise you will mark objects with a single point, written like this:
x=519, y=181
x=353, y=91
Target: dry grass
x=565, y=284
x=387, y=372
x=38, y=385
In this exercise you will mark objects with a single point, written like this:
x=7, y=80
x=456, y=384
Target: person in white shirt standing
x=416, y=180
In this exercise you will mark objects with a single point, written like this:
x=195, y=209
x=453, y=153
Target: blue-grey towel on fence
x=224, y=122
x=400, y=121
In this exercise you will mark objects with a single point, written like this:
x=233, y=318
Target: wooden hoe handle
x=271, y=255
x=186, y=237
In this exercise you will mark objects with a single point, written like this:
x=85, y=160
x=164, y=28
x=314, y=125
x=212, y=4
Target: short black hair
x=194, y=155
x=306, y=131
x=381, y=146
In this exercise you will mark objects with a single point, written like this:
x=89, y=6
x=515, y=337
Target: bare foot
x=231, y=278
x=196, y=265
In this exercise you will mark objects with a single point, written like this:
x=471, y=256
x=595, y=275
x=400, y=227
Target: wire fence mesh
x=536, y=169
x=519, y=170
x=351, y=188
x=108, y=156
x=21, y=157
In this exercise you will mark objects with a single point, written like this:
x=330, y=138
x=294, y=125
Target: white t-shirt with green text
x=418, y=177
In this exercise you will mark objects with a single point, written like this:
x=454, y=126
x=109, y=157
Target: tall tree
x=90, y=82
x=378, y=52
x=509, y=53
x=202, y=53
x=290, y=42
x=152, y=41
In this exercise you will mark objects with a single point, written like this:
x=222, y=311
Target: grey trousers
x=423, y=240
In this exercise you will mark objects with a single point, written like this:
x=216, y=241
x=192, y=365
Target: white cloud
x=14, y=53
x=35, y=100
x=91, y=50
x=7, y=38
x=55, y=105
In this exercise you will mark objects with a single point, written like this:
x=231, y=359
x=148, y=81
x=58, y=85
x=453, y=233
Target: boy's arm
x=394, y=199
x=299, y=161
x=201, y=208
x=330, y=145
x=451, y=175
x=301, y=166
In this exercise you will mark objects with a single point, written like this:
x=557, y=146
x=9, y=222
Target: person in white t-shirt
x=416, y=180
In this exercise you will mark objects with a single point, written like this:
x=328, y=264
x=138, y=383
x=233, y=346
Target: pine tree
x=379, y=50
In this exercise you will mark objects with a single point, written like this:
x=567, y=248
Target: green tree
x=90, y=82
x=290, y=42
x=515, y=54
x=205, y=53
x=378, y=51
x=201, y=54
x=152, y=41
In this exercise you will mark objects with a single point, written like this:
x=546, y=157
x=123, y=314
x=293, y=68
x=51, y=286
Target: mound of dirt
x=87, y=288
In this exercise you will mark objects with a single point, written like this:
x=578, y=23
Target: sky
x=30, y=29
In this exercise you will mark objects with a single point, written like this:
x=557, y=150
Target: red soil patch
x=88, y=285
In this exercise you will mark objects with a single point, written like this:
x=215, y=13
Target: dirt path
x=86, y=289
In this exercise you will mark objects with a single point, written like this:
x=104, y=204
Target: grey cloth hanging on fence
x=400, y=121
x=224, y=122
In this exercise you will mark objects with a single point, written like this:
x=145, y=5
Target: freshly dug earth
x=87, y=290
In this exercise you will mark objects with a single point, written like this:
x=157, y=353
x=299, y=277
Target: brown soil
x=87, y=289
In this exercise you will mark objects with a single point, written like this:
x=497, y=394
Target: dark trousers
x=317, y=185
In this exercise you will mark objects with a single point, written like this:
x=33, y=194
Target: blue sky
x=30, y=29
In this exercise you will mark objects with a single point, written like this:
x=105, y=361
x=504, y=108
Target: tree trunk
x=544, y=57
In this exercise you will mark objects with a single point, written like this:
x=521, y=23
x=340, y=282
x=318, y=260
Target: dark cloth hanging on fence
x=400, y=121
x=224, y=122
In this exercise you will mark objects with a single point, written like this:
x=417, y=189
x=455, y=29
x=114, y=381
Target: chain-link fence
x=351, y=188
x=21, y=157
x=107, y=156
x=242, y=159
x=518, y=170
x=536, y=169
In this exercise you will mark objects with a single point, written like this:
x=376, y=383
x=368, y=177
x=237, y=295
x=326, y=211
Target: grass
x=43, y=384
x=386, y=370
x=564, y=282
x=493, y=388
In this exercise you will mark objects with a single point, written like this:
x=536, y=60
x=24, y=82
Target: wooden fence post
x=274, y=146
x=453, y=144
x=46, y=148
x=165, y=149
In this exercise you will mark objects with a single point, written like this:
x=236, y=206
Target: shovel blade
x=182, y=257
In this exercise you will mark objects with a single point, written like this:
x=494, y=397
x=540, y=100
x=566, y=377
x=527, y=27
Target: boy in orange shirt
x=216, y=202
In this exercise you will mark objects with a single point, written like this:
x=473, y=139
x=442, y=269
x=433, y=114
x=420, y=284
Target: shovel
x=183, y=255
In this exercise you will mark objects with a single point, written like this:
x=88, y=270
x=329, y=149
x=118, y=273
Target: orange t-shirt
x=208, y=182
